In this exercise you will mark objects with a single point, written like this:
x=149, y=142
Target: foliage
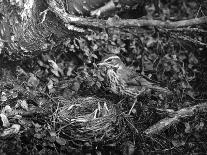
x=34, y=91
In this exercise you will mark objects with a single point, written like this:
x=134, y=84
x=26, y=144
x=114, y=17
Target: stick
x=174, y=118
x=112, y=22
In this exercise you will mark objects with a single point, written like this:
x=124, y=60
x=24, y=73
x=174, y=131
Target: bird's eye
x=109, y=60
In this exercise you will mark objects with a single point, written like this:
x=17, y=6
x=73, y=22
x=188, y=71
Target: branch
x=175, y=117
x=114, y=22
x=158, y=23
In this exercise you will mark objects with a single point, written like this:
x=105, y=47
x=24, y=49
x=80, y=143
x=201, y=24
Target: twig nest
x=89, y=119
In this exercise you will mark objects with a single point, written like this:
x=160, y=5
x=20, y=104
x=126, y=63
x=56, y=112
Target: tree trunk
x=36, y=27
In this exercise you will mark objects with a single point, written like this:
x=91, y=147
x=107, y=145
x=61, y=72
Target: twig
x=131, y=125
x=158, y=23
x=107, y=7
x=174, y=118
x=112, y=22
x=132, y=107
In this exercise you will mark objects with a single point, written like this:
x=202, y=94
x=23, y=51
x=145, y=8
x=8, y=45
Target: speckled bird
x=125, y=81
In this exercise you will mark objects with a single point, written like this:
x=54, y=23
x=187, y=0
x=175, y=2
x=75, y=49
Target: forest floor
x=37, y=95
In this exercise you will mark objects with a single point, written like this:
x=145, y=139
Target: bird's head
x=111, y=62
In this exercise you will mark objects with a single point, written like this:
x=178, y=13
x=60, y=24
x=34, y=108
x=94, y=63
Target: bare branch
x=114, y=22
x=174, y=118
x=164, y=24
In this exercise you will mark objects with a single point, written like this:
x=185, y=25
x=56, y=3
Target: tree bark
x=174, y=118
x=43, y=23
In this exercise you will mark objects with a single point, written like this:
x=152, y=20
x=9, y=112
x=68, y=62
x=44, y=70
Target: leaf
x=50, y=84
x=33, y=81
x=38, y=136
x=37, y=127
x=3, y=97
x=22, y=104
x=12, y=130
x=14, y=94
x=94, y=56
x=15, y=128
x=187, y=127
x=6, y=110
x=100, y=77
x=178, y=143
x=70, y=70
x=60, y=141
x=41, y=63
x=52, y=134
x=5, y=121
x=151, y=41
x=20, y=71
x=199, y=126
x=128, y=148
x=55, y=68
x=98, y=84
x=52, y=137
x=76, y=86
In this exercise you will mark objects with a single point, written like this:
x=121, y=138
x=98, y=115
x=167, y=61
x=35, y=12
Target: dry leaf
x=22, y=104
x=4, y=120
x=50, y=84
x=70, y=70
x=76, y=86
x=60, y=141
x=55, y=68
x=12, y=130
x=33, y=81
x=6, y=110
x=3, y=97
x=52, y=134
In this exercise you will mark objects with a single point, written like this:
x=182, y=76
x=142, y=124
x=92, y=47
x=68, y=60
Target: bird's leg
x=135, y=101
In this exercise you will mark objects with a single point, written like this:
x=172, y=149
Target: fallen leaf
x=3, y=97
x=33, y=81
x=55, y=69
x=128, y=148
x=38, y=136
x=70, y=70
x=52, y=134
x=5, y=121
x=6, y=110
x=60, y=141
x=13, y=94
x=22, y=104
x=50, y=84
x=76, y=86
x=14, y=129
x=187, y=127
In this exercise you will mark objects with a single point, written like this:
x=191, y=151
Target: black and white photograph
x=103, y=77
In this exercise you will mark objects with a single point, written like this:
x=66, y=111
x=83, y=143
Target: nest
x=89, y=119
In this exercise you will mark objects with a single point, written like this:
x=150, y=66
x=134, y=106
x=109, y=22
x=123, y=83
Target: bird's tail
x=160, y=89
x=154, y=86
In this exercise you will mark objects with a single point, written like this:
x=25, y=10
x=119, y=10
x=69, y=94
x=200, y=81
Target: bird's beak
x=102, y=64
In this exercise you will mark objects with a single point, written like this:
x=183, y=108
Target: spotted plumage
x=125, y=81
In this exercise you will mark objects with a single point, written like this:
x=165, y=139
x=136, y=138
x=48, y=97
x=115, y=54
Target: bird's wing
x=130, y=77
x=155, y=86
x=134, y=79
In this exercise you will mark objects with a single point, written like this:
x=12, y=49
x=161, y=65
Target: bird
x=126, y=81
